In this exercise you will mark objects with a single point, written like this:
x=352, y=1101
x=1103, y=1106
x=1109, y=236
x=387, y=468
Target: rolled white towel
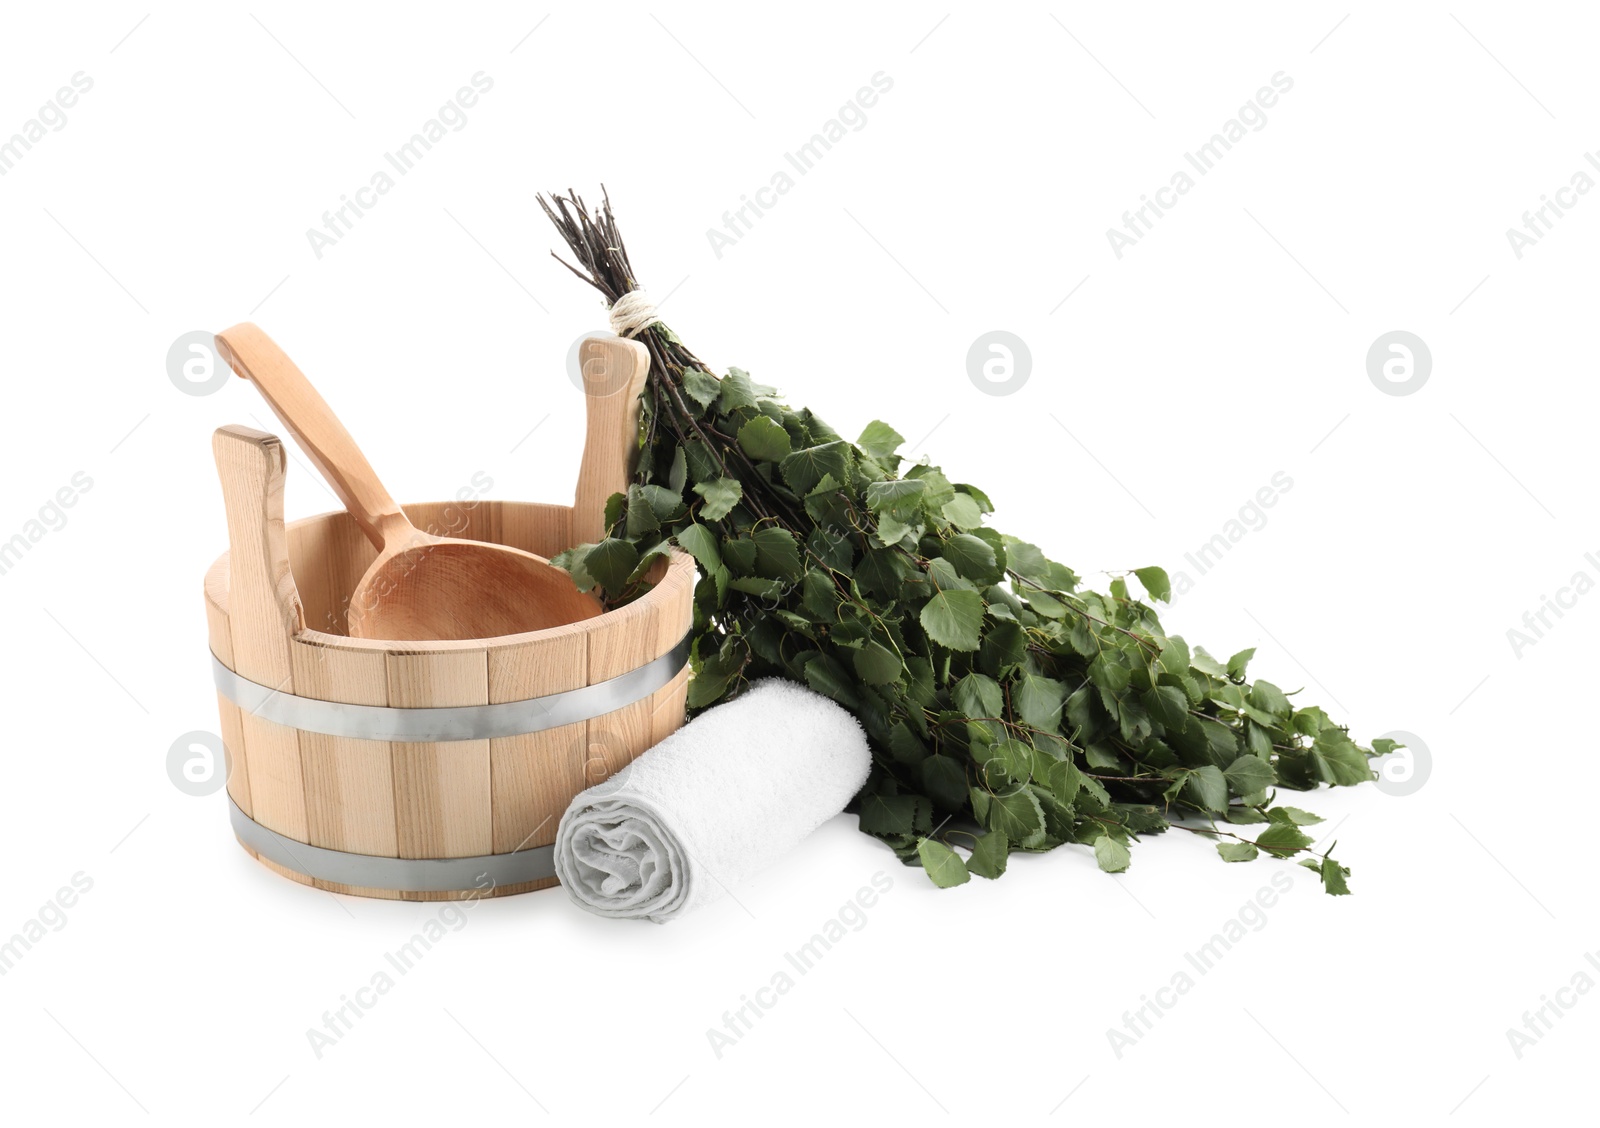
x=717, y=801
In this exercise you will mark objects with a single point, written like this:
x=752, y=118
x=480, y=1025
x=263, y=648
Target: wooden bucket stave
x=316, y=802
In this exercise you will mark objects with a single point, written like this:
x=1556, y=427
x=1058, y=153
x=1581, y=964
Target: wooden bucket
x=426, y=771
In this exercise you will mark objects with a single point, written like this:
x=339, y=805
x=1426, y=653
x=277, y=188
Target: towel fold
x=717, y=801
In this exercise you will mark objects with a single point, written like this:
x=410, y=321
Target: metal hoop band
x=405, y=875
x=465, y=722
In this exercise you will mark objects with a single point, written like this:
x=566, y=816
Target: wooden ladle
x=421, y=587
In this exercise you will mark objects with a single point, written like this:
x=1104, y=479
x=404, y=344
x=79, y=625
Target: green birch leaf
x=803, y=469
x=894, y=532
x=1018, y=816
x=1111, y=855
x=1338, y=760
x=978, y=695
x=887, y=814
x=1062, y=778
x=700, y=543
x=700, y=463
x=945, y=781
x=894, y=494
x=1174, y=657
x=764, y=440
x=972, y=558
x=642, y=518
x=962, y=512
x=777, y=554
x=1031, y=564
x=989, y=855
x=1238, y=851
x=1333, y=876
x=1282, y=840
x=721, y=495
x=1168, y=705
x=1155, y=582
x=819, y=597
x=611, y=562
x=875, y=580
x=664, y=503
x=1047, y=605
x=1293, y=815
x=828, y=678
x=678, y=475
x=945, y=867
x=1266, y=696
x=615, y=504
x=572, y=560
x=879, y=440
x=1250, y=773
x=736, y=391
x=1003, y=761
x=702, y=387
x=878, y=665
x=1208, y=788
x=1038, y=701
x=739, y=554
x=954, y=619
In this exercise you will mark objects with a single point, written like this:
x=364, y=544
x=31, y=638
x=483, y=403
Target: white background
x=1228, y=345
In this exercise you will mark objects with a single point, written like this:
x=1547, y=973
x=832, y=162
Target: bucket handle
x=264, y=609
x=614, y=373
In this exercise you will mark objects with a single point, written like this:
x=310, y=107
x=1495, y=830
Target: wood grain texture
x=647, y=628
x=228, y=714
x=673, y=618
x=673, y=597
x=301, y=408
x=435, y=800
x=614, y=373
x=442, y=802
x=346, y=779
x=544, y=530
x=619, y=641
x=618, y=738
x=536, y=774
x=423, y=585
x=315, y=577
x=669, y=707
x=232, y=723
x=330, y=544
x=263, y=614
x=281, y=871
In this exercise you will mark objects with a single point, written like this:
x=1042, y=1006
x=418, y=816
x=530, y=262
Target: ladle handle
x=254, y=355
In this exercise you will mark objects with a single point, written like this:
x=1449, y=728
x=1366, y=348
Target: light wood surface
x=275, y=612
x=421, y=586
x=441, y=791
x=263, y=615
x=536, y=774
x=614, y=373
x=218, y=634
x=341, y=773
